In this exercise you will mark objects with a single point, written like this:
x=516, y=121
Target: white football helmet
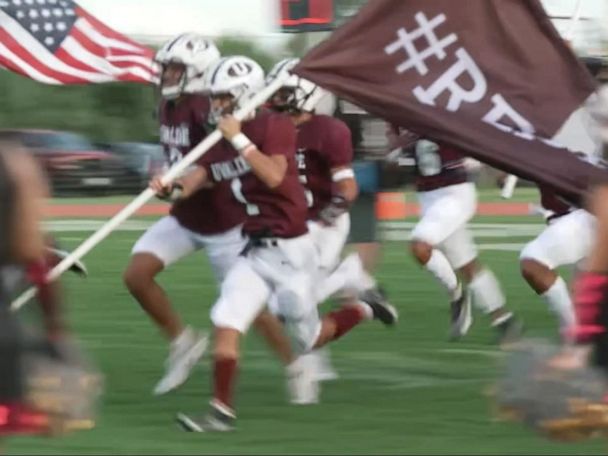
x=237, y=76
x=303, y=95
x=195, y=53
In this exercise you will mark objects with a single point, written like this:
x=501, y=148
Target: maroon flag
x=57, y=42
x=492, y=77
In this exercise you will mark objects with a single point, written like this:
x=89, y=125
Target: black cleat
x=218, y=419
x=461, y=316
x=382, y=309
x=509, y=331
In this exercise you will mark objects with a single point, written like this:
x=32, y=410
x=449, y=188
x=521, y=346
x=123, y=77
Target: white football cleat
x=185, y=352
x=302, y=384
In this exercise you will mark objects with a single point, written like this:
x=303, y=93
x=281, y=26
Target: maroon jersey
x=279, y=212
x=182, y=127
x=324, y=143
x=550, y=201
x=438, y=166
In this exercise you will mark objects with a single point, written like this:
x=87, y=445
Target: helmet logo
x=239, y=69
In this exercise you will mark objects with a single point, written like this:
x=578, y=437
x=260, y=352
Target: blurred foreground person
x=45, y=385
x=562, y=393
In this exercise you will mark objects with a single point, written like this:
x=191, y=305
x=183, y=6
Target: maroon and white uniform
x=280, y=259
x=277, y=213
x=568, y=236
x=209, y=219
x=438, y=166
x=447, y=201
x=324, y=144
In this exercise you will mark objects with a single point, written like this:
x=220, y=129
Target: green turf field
x=404, y=390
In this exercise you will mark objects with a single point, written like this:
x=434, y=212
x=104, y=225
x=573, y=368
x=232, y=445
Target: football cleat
x=509, y=331
x=302, y=383
x=219, y=419
x=185, y=353
x=381, y=308
x=461, y=316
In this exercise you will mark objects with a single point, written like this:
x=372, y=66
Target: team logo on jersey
x=175, y=136
x=228, y=170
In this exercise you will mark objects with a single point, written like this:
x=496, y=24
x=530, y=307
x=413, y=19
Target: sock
x=346, y=319
x=224, y=375
x=348, y=275
x=487, y=295
x=440, y=267
x=558, y=298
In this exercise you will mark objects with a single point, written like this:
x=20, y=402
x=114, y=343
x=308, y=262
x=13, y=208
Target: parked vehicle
x=74, y=165
x=143, y=160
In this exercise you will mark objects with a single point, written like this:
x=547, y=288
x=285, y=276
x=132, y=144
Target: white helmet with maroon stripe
x=298, y=94
x=195, y=53
x=237, y=76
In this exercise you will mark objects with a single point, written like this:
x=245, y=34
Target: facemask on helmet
x=298, y=94
x=236, y=79
x=184, y=61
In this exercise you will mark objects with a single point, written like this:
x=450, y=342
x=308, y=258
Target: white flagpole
x=147, y=194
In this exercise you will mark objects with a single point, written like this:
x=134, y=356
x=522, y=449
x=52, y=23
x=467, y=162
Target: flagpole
x=147, y=194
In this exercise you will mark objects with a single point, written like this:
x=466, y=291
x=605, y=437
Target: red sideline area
x=390, y=206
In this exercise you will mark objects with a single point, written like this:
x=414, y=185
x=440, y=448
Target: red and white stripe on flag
x=57, y=42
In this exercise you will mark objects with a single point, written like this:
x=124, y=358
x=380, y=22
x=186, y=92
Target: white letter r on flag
x=447, y=81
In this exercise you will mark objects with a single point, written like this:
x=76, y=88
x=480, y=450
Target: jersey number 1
x=237, y=190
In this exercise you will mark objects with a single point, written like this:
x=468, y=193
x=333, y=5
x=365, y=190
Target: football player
x=210, y=218
x=256, y=160
x=565, y=241
x=442, y=243
x=324, y=158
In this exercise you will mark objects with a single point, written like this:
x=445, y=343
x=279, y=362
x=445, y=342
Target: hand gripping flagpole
x=511, y=181
x=147, y=194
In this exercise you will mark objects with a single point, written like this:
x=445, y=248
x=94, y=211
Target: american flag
x=57, y=42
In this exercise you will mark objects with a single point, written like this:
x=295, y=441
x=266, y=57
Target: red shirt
x=182, y=127
x=279, y=212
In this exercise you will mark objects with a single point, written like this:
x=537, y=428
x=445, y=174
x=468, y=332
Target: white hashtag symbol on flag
x=435, y=47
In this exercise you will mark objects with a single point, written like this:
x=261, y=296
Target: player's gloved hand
x=170, y=192
x=330, y=213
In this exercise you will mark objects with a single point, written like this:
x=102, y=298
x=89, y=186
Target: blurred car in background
x=143, y=160
x=75, y=166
